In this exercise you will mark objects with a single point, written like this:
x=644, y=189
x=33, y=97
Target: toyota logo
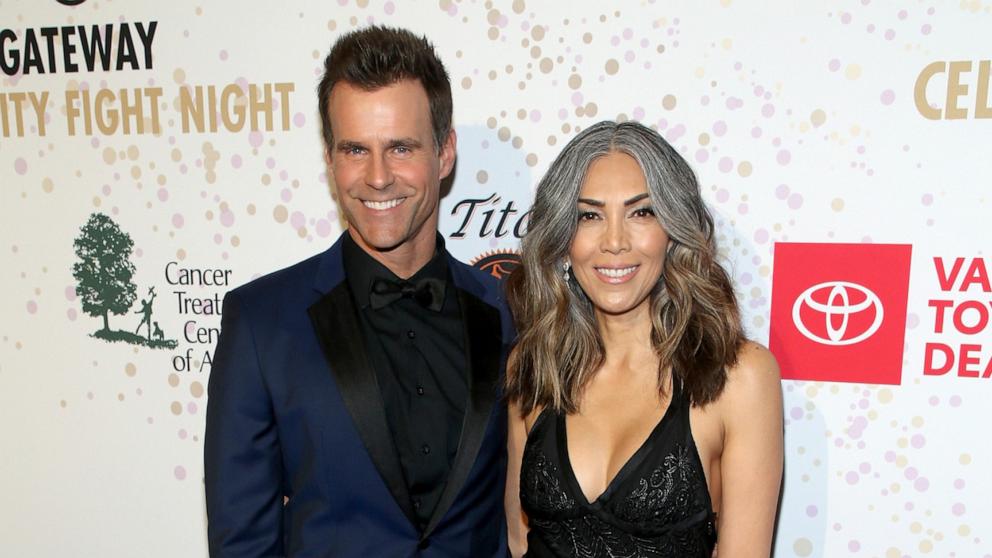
x=837, y=303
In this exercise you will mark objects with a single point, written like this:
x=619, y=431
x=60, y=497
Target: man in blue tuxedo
x=354, y=405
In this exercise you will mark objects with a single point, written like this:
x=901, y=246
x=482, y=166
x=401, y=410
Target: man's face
x=386, y=167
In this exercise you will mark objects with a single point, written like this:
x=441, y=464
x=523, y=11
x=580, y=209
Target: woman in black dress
x=642, y=422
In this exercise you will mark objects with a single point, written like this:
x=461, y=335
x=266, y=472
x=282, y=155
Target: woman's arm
x=751, y=462
x=516, y=524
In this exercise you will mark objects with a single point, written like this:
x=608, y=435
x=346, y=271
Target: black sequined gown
x=658, y=505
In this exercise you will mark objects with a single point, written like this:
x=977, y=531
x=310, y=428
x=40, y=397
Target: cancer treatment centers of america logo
x=104, y=283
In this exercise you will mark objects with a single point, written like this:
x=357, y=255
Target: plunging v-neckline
x=632, y=462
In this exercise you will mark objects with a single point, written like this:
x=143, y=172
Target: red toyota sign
x=839, y=311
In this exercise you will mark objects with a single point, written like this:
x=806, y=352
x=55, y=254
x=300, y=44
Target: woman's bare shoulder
x=517, y=416
x=754, y=381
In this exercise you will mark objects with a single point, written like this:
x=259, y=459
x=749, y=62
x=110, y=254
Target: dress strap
x=542, y=417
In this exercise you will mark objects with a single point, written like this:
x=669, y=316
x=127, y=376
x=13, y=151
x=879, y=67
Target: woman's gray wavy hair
x=696, y=329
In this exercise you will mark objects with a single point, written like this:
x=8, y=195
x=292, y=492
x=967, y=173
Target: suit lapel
x=483, y=344
x=335, y=320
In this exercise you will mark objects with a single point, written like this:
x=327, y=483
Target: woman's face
x=618, y=250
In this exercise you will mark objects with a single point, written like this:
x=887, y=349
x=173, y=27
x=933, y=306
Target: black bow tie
x=428, y=292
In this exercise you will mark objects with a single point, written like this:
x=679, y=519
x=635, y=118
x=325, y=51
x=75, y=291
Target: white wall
x=799, y=119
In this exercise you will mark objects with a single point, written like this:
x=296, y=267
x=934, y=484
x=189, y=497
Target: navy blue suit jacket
x=294, y=412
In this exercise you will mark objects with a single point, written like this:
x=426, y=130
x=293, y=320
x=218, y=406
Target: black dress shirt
x=421, y=367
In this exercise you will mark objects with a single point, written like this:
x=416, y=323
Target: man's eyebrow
x=345, y=145
x=592, y=202
x=405, y=142
x=635, y=199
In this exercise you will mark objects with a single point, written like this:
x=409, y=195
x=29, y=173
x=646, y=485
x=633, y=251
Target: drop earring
x=566, y=267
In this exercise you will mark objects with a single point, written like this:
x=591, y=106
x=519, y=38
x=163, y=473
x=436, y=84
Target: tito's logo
x=844, y=300
x=839, y=311
x=500, y=264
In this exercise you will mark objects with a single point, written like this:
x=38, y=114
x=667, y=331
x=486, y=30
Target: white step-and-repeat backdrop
x=156, y=154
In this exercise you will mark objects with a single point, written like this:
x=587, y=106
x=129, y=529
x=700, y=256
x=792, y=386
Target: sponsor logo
x=838, y=303
x=495, y=218
x=961, y=308
x=104, y=284
x=103, y=273
x=839, y=311
x=499, y=264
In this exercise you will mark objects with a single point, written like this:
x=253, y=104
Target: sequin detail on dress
x=657, y=507
x=666, y=495
x=541, y=481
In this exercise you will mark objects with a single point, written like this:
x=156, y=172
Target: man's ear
x=448, y=154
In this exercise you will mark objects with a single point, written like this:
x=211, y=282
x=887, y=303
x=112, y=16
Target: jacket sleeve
x=243, y=470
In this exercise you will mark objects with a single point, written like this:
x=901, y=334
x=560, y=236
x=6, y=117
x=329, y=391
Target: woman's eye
x=588, y=215
x=643, y=212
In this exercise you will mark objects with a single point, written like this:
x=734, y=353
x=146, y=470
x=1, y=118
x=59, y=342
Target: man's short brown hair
x=378, y=56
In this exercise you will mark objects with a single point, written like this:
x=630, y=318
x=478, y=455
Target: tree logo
x=104, y=283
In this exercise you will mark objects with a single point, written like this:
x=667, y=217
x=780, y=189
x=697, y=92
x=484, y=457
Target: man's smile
x=383, y=205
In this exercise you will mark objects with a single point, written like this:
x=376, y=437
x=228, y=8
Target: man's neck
x=404, y=260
